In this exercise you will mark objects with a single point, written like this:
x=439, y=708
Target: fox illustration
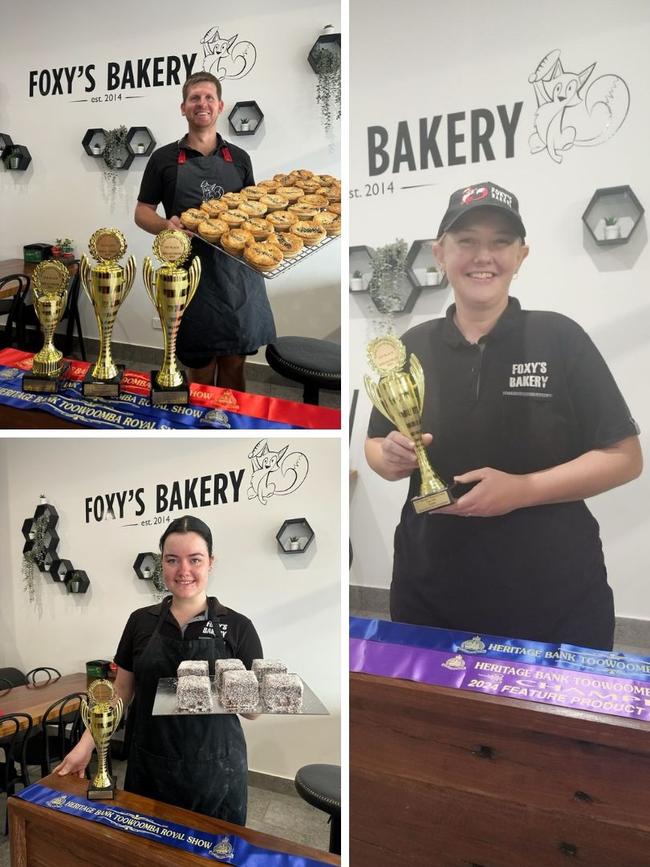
x=275, y=472
x=227, y=58
x=571, y=113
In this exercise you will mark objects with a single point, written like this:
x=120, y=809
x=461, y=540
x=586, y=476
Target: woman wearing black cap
x=528, y=422
x=196, y=762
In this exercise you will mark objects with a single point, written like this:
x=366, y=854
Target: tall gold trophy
x=399, y=395
x=106, y=284
x=171, y=288
x=101, y=715
x=50, y=290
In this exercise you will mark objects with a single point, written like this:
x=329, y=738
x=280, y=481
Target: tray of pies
x=271, y=226
x=268, y=688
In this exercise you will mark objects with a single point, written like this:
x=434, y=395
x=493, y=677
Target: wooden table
x=41, y=837
x=35, y=700
x=449, y=777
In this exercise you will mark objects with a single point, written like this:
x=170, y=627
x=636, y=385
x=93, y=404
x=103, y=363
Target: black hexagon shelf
x=77, y=581
x=295, y=535
x=245, y=117
x=123, y=160
x=359, y=262
x=140, y=141
x=60, y=569
x=16, y=158
x=94, y=142
x=145, y=565
x=612, y=215
x=49, y=511
x=421, y=267
x=6, y=143
x=27, y=529
x=401, y=300
x=330, y=42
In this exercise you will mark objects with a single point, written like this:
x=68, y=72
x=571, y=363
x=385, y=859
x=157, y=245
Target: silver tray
x=165, y=702
x=284, y=266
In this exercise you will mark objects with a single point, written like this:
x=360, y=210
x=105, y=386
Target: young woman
x=527, y=421
x=196, y=762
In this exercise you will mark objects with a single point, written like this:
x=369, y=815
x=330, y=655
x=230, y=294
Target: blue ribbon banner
x=226, y=848
x=128, y=412
x=514, y=650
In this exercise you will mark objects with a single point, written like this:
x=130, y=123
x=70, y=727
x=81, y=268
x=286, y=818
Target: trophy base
x=431, y=502
x=91, y=387
x=177, y=394
x=37, y=383
x=95, y=793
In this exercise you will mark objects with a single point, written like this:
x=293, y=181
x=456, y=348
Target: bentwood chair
x=60, y=729
x=13, y=764
x=11, y=306
x=40, y=676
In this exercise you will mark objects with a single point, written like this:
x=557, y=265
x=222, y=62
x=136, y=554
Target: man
x=230, y=316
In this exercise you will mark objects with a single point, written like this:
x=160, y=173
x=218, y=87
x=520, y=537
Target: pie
x=263, y=256
x=192, y=217
x=309, y=233
x=213, y=229
x=236, y=240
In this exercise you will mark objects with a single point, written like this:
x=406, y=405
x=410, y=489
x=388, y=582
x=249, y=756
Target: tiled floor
x=282, y=815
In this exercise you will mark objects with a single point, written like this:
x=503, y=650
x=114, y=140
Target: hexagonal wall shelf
x=145, y=565
x=401, y=300
x=245, y=117
x=77, y=581
x=16, y=158
x=328, y=41
x=419, y=260
x=359, y=262
x=140, y=141
x=60, y=569
x=5, y=143
x=94, y=142
x=49, y=511
x=612, y=215
x=295, y=535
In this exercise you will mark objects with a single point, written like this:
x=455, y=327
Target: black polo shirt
x=159, y=178
x=241, y=639
x=532, y=394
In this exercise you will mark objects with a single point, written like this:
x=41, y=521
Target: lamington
x=193, y=666
x=194, y=693
x=282, y=693
x=222, y=665
x=240, y=691
x=261, y=667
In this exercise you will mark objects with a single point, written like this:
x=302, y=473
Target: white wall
x=446, y=58
x=63, y=192
x=293, y=600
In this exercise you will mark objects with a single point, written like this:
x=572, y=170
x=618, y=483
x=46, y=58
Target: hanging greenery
x=388, y=276
x=115, y=152
x=328, y=86
x=35, y=556
x=157, y=577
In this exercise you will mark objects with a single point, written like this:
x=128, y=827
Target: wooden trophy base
x=177, y=394
x=95, y=793
x=37, y=383
x=91, y=387
x=431, y=502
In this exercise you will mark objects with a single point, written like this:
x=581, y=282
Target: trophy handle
x=119, y=704
x=418, y=377
x=85, y=272
x=371, y=391
x=149, y=277
x=194, y=275
x=84, y=709
x=129, y=277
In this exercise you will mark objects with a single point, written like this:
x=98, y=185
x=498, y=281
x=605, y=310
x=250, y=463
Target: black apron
x=195, y=762
x=230, y=313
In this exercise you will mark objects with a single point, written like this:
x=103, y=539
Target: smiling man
x=230, y=316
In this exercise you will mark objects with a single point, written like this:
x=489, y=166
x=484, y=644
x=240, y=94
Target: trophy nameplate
x=399, y=396
x=107, y=285
x=50, y=291
x=101, y=715
x=170, y=289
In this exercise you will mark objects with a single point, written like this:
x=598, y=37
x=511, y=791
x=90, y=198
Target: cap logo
x=473, y=194
x=502, y=196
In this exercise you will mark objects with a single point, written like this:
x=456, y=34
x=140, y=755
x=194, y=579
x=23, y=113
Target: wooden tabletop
x=35, y=700
x=107, y=843
x=8, y=267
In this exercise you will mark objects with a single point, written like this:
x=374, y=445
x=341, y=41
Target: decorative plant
x=611, y=221
x=432, y=269
x=114, y=152
x=357, y=275
x=244, y=121
x=35, y=556
x=157, y=576
x=328, y=87
x=388, y=274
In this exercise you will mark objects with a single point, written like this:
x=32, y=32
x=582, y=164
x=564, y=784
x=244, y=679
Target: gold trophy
x=50, y=290
x=399, y=395
x=106, y=285
x=171, y=288
x=101, y=715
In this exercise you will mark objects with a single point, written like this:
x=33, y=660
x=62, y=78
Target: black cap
x=485, y=195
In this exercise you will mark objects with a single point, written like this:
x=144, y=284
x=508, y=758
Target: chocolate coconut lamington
x=193, y=666
x=194, y=693
x=223, y=665
x=240, y=691
x=262, y=667
x=282, y=693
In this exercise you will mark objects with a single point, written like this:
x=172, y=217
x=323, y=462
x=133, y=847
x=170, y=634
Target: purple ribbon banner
x=225, y=848
x=512, y=649
x=584, y=691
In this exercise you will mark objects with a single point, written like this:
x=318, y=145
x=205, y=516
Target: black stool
x=320, y=786
x=314, y=363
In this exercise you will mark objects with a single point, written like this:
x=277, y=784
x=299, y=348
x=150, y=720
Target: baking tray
x=284, y=266
x=165, y=702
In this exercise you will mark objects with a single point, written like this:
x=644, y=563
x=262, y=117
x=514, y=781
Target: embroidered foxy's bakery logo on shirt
x=528, y=378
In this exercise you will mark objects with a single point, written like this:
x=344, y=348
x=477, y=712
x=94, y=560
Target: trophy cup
x=399, y=396
x=171, y=288
x=50, y=290
x=106, y=285
x=101, y=715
